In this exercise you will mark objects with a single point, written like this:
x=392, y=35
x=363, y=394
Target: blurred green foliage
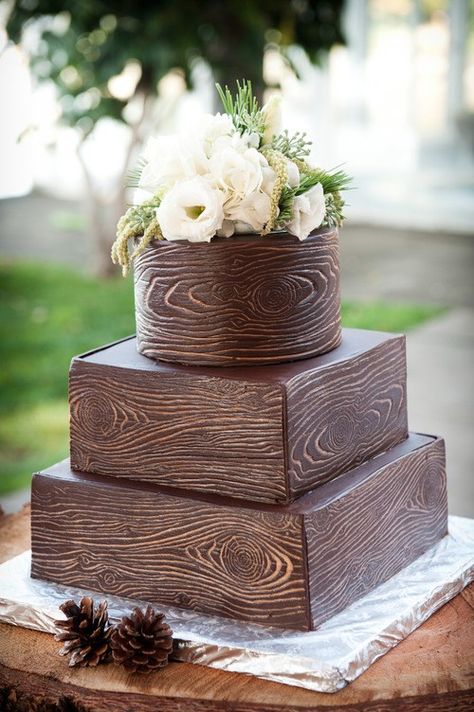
x=48, y=314
x=82, y=45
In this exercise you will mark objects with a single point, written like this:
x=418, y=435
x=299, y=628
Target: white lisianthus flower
x=236, y=141
x=293, y=179
x=246, y=180
x=170, y=159
x=214, y=132
x=192, y=210
x=308, y=212
x=237, y=173
x=252, y=212
x=249, y=207
x=227, y=229
x=269, y=178
x=272, y=113
x=252, y=139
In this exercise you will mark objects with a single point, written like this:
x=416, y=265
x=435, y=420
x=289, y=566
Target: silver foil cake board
x=323, y=660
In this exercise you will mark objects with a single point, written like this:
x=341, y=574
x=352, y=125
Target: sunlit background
x=383, y=87
x=396, y=105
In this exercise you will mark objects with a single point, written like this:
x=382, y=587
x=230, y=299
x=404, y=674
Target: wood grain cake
x=291, y=565
x=244, y=300
x=266, y=433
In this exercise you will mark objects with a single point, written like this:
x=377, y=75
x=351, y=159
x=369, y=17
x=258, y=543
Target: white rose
x=272, y=113
x=192, y=210
x=308, y=212
x=170, y=159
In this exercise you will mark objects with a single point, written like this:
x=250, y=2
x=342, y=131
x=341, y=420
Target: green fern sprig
x=332, y=181
x=243, y=108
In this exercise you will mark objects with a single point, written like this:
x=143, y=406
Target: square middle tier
x=263, y=433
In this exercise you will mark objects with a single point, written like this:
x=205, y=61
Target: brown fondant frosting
x=266, y=433
x=239, y=300
x=277, y=490
x=291, y=565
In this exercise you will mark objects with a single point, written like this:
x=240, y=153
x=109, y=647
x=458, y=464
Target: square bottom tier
x=292, y=566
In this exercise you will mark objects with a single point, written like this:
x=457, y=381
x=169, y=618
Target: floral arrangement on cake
x=230, y=173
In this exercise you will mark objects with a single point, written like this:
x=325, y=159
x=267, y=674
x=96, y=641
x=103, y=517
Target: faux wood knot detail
x=97, y=414
x=244, y=559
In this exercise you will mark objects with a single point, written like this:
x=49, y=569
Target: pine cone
x=85, y=632
x=142, y=641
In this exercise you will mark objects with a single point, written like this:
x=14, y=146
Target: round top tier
x=245, y=300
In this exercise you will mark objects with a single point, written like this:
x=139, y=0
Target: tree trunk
x=95, y=210
x=103, y=216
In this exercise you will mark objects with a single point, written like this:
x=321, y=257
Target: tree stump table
x=432, y=670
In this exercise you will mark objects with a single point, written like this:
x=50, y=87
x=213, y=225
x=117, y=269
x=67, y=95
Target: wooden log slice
x=432, y=669
x=240, y=300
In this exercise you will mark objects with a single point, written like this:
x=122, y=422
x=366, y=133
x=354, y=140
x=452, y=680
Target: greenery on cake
x=235, y=172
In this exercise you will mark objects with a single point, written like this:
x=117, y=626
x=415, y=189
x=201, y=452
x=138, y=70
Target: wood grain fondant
x=182, y=429
x=245, y=300
x=288, y=565
x=148, y=544
x=339, y=417
x=267, y=433
x=401, y=511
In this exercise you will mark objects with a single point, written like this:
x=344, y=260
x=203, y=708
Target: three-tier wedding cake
x=243, y=456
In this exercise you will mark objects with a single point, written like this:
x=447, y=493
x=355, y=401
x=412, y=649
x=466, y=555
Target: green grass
x=48, y=314
x=383, y=316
